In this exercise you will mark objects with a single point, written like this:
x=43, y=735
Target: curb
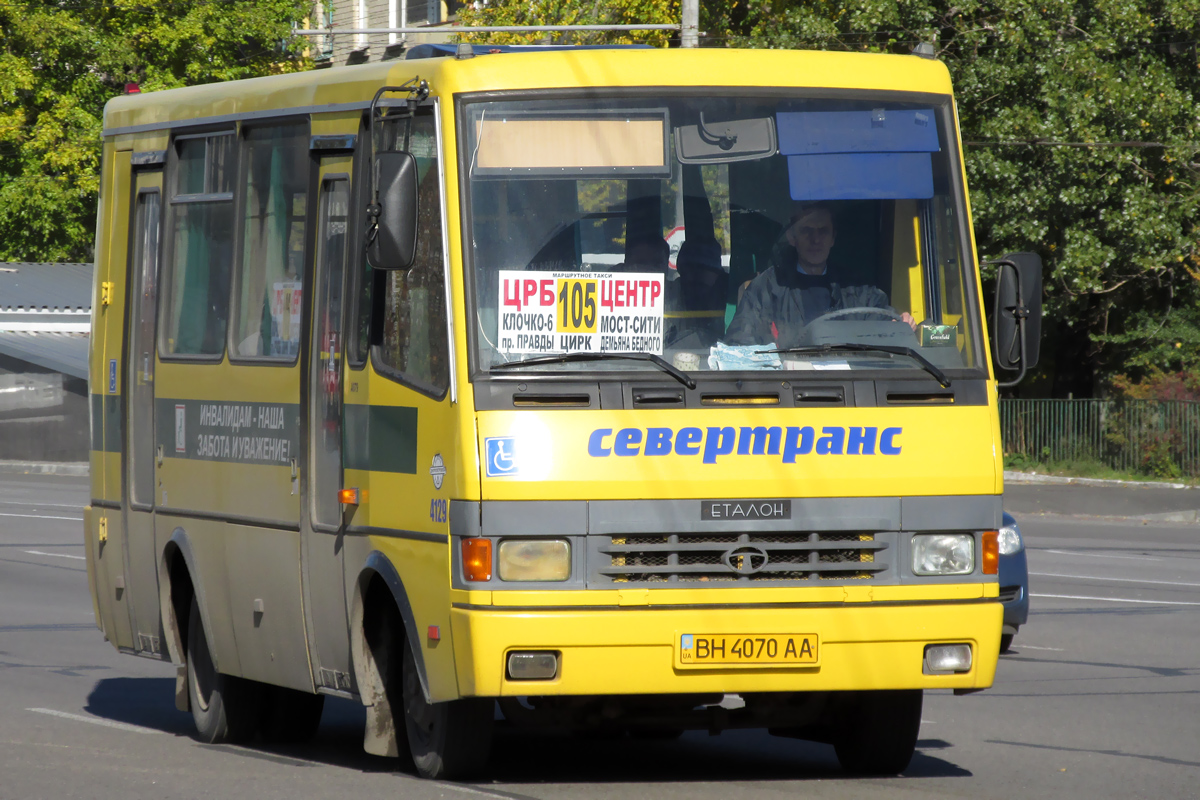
x=1033, y=477
x=77, y=469
x=1173, y=516
x=1184, y=517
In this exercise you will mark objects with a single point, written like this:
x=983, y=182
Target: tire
x=881, y=732
x=224, y=708
x=1006, y=641
x=289, y=716
x=448, y=741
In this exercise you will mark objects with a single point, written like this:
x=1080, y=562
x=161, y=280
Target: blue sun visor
x=881, y=154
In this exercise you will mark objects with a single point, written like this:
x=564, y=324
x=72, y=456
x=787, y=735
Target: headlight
x=535, y=560
x=1010, y=540
x=943, y=553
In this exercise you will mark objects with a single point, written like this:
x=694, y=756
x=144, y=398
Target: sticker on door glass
x=286, y=299
x=580, y=312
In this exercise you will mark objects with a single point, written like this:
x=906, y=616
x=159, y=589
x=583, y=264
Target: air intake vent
x=821, y=396
x=658, y=398
x=930, y=398
x=739, y=399
x=552, y=400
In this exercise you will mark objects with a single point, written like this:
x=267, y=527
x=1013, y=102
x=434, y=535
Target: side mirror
x=393, y=242
x=1018, y=313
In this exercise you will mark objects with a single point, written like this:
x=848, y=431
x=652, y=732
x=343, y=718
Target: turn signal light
x=352, y=497
x=991, y=553
x=477, y=559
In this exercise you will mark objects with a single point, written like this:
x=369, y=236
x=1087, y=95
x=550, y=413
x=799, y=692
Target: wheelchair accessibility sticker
x=500, y=455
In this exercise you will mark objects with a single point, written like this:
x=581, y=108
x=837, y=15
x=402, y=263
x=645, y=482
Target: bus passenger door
x=322, y=528
x=108, y=559
x=141, y=573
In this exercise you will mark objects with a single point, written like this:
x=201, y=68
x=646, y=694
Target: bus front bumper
x=635, y=651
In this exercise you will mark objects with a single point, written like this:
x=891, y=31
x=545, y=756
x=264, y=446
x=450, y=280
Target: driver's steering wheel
x=845, y=312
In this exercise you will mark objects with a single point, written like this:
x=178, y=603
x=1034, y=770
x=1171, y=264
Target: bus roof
x=348, y=88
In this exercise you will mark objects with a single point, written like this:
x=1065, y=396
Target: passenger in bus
x=702, y=279
x=646, y=254
x=698, y=284
x=695, y=300
x=775, y=306
x=650, y=253
x=698, y=317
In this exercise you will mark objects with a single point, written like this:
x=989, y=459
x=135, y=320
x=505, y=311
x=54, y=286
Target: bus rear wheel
x=224, y=708
x=880, y=735
x=448, y=741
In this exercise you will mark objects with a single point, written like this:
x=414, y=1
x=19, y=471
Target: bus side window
x=415, y=345
x=196, y=300
x=274, y=210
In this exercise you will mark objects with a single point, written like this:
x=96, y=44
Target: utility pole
x=689, y=34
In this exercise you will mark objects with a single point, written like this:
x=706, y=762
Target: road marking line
x=41, y=516
x=458, y=787
x=1116, y=600
x=1099, y=555
x=1035, y=647
x=121, y=726
x=1122, y=580
x=41, y=505
x=53, y=555
x=251, y=752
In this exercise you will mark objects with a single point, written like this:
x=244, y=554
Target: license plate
x=770, y=649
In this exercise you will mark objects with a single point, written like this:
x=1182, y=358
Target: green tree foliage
x=60, y=62
x=1158, y=385
x=1082, y=128
x=572, y=12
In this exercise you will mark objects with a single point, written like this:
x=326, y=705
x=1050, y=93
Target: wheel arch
x=372, y=617
x=178, y=582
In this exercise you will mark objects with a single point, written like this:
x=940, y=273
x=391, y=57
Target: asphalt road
x=1099, y=698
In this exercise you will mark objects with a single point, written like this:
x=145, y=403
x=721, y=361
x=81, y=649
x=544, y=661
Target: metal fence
x=1159, y=438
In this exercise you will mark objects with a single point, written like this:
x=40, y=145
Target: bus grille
x=743, y=558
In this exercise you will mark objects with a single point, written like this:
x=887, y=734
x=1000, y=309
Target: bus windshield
x=719, y=232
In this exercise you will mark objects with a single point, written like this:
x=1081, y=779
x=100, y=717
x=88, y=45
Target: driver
x=798, y=289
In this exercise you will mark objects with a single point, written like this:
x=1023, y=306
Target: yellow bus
x=622, y=389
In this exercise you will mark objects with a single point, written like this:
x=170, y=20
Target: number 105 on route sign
x=576, y=305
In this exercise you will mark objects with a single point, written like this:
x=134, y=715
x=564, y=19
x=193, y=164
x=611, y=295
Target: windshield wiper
x=564, y=358
x=881, y=348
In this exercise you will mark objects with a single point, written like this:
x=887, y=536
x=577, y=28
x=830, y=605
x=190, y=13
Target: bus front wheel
x=880, y=732
x=224, y=708
x=449, y=741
